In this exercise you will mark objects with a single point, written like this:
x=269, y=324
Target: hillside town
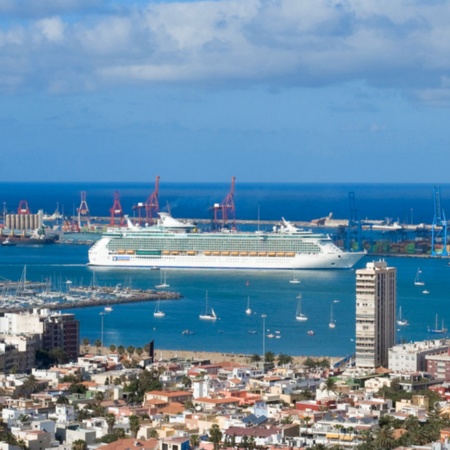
x=119, y=398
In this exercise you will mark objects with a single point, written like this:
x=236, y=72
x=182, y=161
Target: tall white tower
x=376, y=299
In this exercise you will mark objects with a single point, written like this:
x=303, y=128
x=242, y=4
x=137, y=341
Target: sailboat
x=436, y=329
x=332, y=323
x=208, y=315
x=298, y=314
x=163, y=282
x=108, y=308
x=417, y=280
x=400, y=321
x=294, y=280
x=248, y=311
x=158, y=312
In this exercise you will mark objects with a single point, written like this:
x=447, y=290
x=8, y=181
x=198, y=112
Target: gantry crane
x=439, y=226
x=225, y=212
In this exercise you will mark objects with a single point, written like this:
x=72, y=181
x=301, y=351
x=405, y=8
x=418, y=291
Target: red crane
x=225, y=211
x=151, y=206
x=23, y=207
x=116, y=210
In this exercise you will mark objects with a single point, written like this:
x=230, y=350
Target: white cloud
x=402, y=44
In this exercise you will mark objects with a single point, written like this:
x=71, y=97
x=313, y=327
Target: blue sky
x=264, y=90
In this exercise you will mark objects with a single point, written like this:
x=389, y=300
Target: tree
x=110, y=421
x=286, y=420
x=134, y=425
x=79, y=444
x=120, y=350
x=154, y=434
x=215, y=436
x=130, y=350
x=30, y=385
x=384, y=439
x=329, y=385
x=86, y=343
x=62, y=400
x=309, y=363
x=98, y=344
x=112, y=348
x=77, y=388
x=269, y=357
x=139, y=351
x=255, y=358
x=284, y=359
x=194, y=440
x=58, y=355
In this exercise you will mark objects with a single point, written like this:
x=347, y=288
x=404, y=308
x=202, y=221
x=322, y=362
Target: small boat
x=294, y=280
x=188, y=332
x=252, y=332
x=8, y=243
x=437, y=330
x=425, y=291
x=108, y=308
x=332, y=323
x=208, y=315
x=270, y=335
x=311, y=332
x=158, y=312
x=163, y=282
x=298, y=315
x=400, y=321
x=417, y=280
x=248, y=311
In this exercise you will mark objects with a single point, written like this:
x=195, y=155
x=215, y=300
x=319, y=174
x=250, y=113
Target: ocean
x=270, y=293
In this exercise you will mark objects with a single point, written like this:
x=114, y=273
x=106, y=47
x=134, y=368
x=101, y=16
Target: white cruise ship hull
x=342, y=260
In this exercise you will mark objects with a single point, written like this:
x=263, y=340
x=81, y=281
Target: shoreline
x=213, y=357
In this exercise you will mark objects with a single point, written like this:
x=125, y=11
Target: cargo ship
x=172, y=243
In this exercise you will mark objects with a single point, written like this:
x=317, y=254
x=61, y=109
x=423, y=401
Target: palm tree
x=194, y=440
x=98, y=344
x=130, y=350
x=30, y=385
x=134, y=425
x=269, y=357
x=120, y=350
x=139, y=351
x=110, y=421
x=79, y=444
x=384, y=439
x=215, y=436
x=330, y=385
x=255, y=358
x=154, y=433
x=112, y=348
x=86, y=344
x=284, y=359
x=62, y=400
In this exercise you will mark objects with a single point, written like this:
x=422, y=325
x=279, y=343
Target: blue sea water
x=270, y=292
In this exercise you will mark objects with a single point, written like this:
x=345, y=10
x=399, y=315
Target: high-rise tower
x=376, y=298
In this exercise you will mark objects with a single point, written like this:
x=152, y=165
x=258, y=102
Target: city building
x=411, y=357
x=376, y=298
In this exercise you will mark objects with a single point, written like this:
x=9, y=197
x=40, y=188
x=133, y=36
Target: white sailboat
x=400, y=321
x=158, y=312
x=208, y=315
x=248, y=311
x=441, y=330
x=108, y=308
x=294, y=280
x=163, y=282
x=332, y=323
x=299, y=315
x=417, y=280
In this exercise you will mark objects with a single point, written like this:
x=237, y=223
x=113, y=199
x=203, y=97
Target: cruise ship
x=172, y=243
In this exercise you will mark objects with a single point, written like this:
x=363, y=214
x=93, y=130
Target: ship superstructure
x=175, y=244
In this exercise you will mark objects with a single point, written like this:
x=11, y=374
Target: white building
x=376, y=298
x=411, y=357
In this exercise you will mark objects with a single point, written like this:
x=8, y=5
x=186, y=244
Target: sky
x=264, y=90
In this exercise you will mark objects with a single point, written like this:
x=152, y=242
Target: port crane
x=225, y=211
x=150, y=206
x=83, y=210
x=354, y=224
x=23, y=207
x=439, y=226
x=116, y=211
